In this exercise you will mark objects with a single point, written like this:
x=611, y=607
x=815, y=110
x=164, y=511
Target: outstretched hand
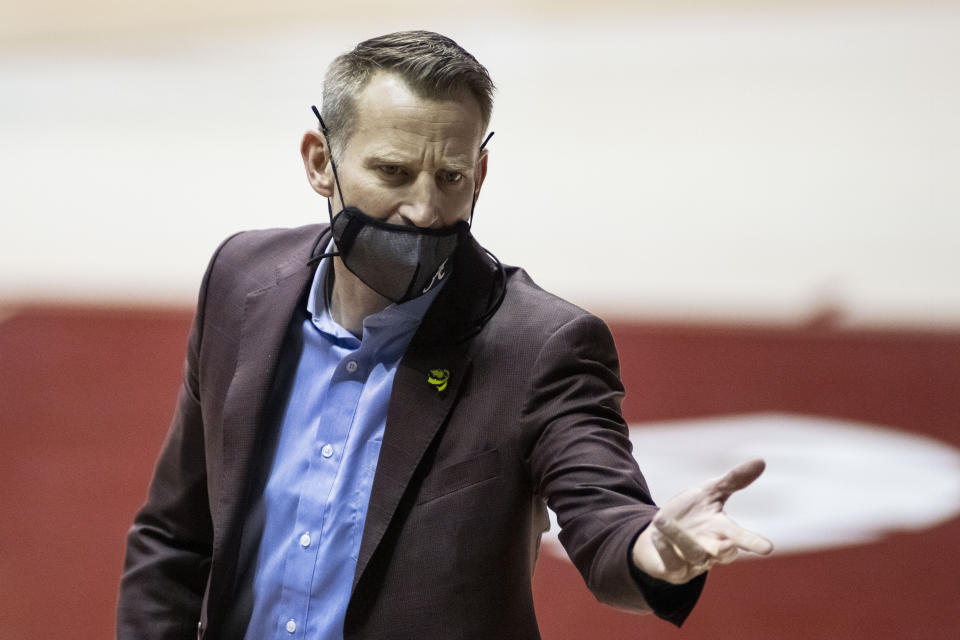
x=691, y=532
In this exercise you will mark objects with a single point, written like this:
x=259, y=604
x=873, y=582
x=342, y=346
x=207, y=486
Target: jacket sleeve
x=582, y=464
x=169, y=545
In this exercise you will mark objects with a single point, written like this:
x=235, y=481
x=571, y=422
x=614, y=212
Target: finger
x=690, y=549
x=744, y=539
x=739, y=477
x=754, y=542
x=723, y=551
x=726, y=554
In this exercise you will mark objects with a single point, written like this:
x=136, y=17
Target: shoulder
x=267, y=250
x=250, y=260
x=533, y=324
x=532, y=310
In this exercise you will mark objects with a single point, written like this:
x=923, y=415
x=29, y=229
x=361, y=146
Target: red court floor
x=86, y=394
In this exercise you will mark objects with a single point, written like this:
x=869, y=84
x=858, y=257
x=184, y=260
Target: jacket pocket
x=460, y=475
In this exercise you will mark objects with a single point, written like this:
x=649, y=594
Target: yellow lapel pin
x=439, y=378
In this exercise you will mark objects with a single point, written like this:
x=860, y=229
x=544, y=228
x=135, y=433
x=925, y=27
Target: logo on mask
x=437, y=277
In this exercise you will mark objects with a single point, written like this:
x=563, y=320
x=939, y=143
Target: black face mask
x=400, y=262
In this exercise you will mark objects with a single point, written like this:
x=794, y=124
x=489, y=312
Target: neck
x=351, y=301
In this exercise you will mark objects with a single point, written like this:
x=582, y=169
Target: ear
x=481, y=173
x=316, y=161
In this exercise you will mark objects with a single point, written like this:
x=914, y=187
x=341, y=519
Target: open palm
x=692, y=532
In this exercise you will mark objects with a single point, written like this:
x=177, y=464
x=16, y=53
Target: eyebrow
x=389, y=157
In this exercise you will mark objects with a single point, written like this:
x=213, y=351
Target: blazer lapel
x=428, y=381
x=266, y=320
x=418, y=408
x=267, y=316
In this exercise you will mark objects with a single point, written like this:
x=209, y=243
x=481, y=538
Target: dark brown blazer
x=530, y=416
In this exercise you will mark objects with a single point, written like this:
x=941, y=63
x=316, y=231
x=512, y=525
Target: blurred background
x=761, y=198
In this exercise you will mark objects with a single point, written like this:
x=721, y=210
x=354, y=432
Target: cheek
x=456, y=207
x=373, y=198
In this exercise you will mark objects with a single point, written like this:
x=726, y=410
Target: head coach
x=375, y=412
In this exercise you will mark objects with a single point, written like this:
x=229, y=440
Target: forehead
x=390, y=114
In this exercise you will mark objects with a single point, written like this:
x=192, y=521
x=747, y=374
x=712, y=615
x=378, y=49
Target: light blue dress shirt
x=316, y=496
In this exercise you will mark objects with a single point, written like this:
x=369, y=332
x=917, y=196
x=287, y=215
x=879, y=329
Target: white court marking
x=828, y=483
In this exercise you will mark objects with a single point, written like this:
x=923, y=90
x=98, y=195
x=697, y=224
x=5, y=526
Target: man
x=375, y=413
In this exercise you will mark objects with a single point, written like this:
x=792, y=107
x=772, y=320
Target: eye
x=450, y=177
x=390, y=169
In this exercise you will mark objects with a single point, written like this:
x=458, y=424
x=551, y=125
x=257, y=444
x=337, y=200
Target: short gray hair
x=433, y=67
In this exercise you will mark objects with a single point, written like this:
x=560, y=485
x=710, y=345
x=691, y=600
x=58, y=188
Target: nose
x=422, y=205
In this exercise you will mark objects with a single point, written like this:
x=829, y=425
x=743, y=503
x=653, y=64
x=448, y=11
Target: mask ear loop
x=333, y=165
x=493, y=305
x=501, y=293
x=477, y=193
x=336, y=179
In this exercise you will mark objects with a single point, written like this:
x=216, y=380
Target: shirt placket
x=307, y=542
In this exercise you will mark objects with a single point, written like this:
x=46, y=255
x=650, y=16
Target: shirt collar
x=385, y=328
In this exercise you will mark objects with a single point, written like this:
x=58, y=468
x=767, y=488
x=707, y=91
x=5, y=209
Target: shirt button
x=327, y=451
x=351, y=366
x=305, y=540
x=291, y=626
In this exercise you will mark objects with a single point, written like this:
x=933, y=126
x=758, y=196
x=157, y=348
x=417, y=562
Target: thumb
x=739, y=477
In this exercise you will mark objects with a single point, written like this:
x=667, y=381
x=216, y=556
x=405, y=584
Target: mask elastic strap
x=485, y=140
x=493, y=305
x=315, y=259
x=333, y=165
x=475, y=195
x=329, y=229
